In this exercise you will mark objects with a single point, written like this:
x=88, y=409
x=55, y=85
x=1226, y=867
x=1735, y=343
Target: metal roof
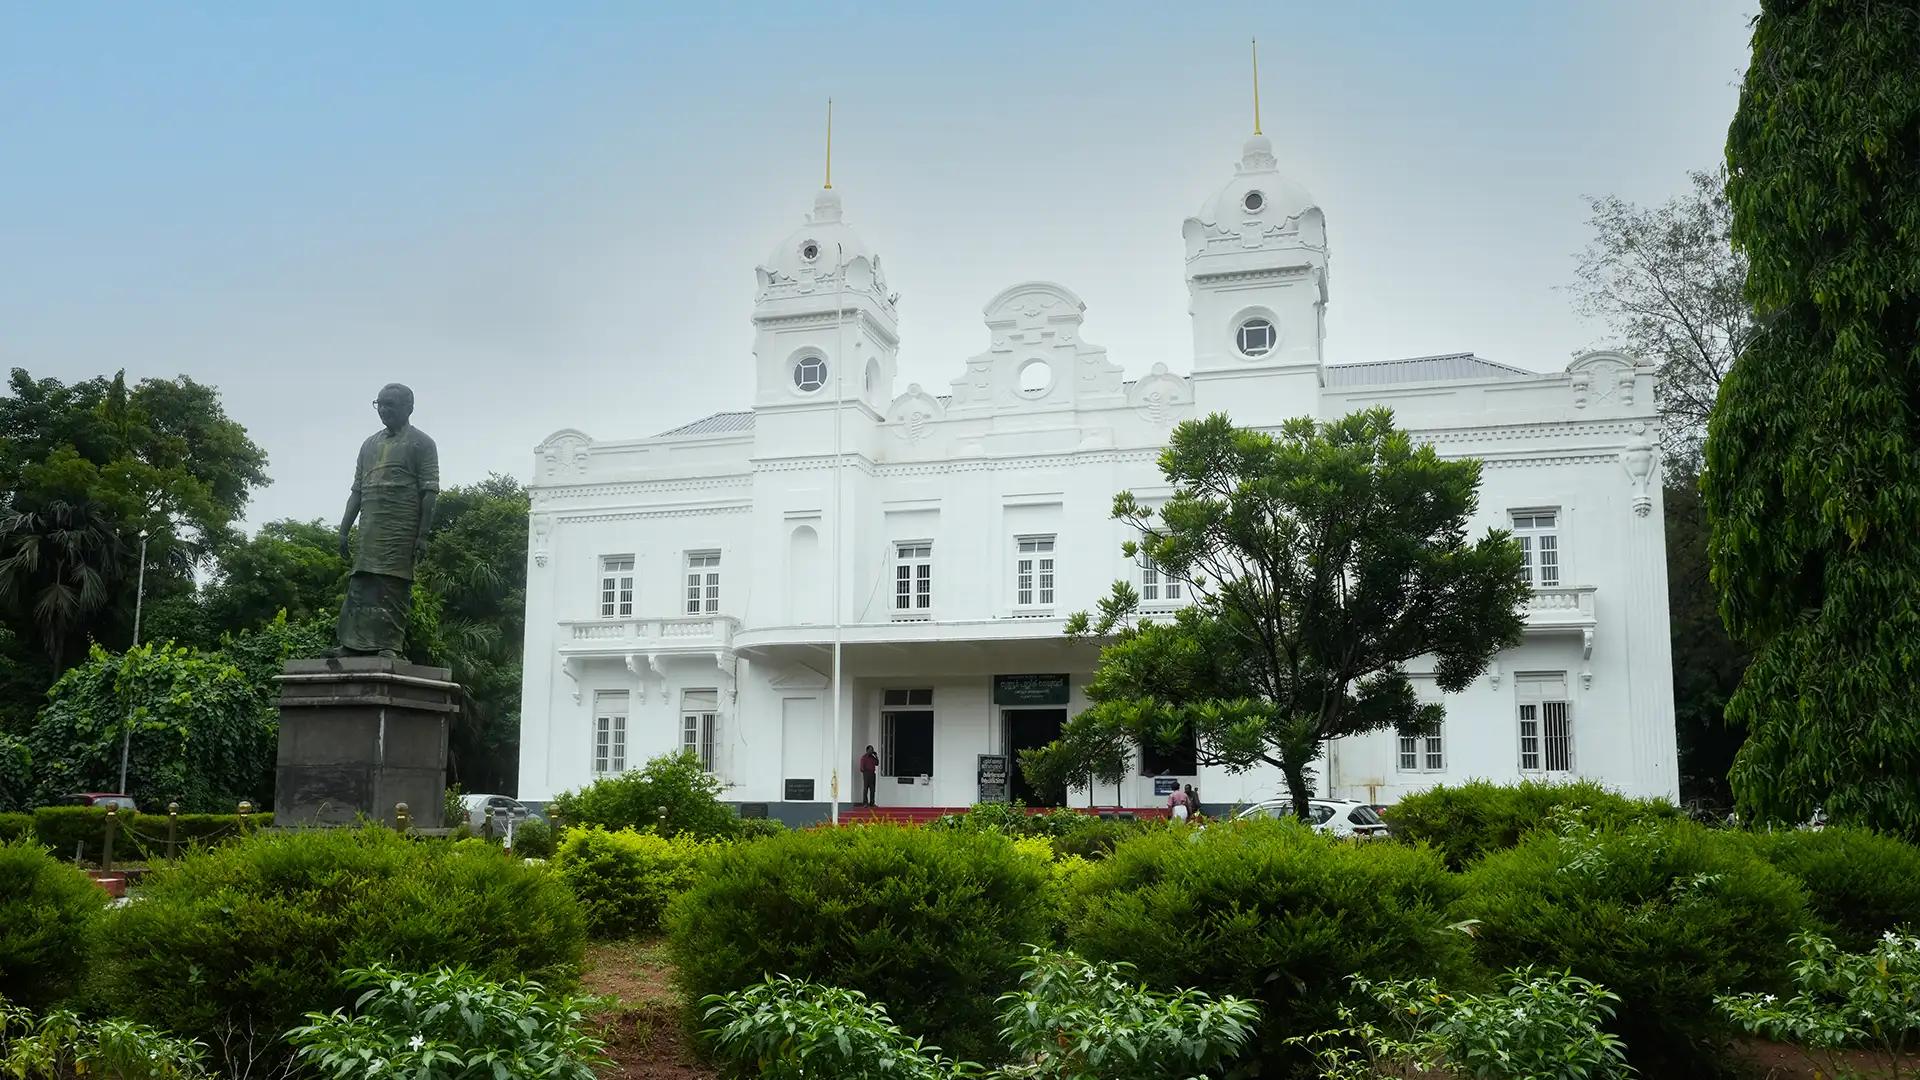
x=1443, y=368
x=720, y=423
x=1446, y=367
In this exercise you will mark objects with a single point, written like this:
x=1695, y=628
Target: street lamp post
x=139, y=596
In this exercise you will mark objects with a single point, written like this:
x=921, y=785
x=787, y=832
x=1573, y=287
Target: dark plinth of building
x=360, y=734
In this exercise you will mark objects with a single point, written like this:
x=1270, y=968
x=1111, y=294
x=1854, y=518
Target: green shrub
x=1466, y=821
x=1271, y=911
x=15, y=827
x=62, y=1045
x=1092, y=838
x=533, y=839
x=137, y=837
x=449, y=1024
x=624, y=880
x=1860, y=883
x=47, y=914
x=1841, y=1001
x=932, y=922
x=256, y=934
x=1666, y=915
x=633, y=800
x=760, y=828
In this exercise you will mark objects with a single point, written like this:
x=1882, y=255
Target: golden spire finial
x=1256, y=86
x=829, y=144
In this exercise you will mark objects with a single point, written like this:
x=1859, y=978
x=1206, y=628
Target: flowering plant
x=1843, y=1001
x=1547, y=1026
x=449, y=1024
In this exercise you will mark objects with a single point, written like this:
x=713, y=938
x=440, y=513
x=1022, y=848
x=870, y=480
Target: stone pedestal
x=358, y=735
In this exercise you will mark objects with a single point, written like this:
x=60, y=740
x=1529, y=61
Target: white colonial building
x=682, y=589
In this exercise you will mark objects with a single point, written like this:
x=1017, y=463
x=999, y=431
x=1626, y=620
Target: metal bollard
x=106, y=852
x=662, y=811
x=486, y=824
x=245, y=810
x=173, y=831
x=400, y=819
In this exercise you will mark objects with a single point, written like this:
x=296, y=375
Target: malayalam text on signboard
x=1029, y=689
x=993, y=778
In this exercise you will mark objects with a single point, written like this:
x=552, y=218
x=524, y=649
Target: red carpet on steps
x=920, y=815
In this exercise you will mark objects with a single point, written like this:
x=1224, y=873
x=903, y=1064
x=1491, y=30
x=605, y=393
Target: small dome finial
x=826, y=205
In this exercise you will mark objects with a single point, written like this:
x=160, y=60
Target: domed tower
x=823, y=315
x=1257, y=293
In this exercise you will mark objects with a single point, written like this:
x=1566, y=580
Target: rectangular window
x=703, y=582
x=609, y=732
x=1157, y=588
x=1033, y=572
x=616, y=586
x=1423, y=753
x=906, y=733
x=1539, y=539
x=1546, y=724
x=913, y=580
x=699, y=713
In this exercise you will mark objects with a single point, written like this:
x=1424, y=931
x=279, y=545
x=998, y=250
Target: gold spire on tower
x=1256, y=86
x=829, y=144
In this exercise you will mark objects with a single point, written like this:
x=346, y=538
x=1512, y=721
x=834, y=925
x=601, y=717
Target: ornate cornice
x=742, y=506
x=547, y=496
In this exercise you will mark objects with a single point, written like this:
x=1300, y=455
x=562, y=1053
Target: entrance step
x=921, y=815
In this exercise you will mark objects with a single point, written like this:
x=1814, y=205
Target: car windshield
x=1364, y=815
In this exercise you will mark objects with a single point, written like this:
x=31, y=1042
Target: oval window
x=1254, y=202
x=1256, y=337
x=810, y=374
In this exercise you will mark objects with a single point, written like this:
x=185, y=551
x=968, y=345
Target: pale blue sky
x=546, y=216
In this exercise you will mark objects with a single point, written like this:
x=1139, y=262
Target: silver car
x=504, y=809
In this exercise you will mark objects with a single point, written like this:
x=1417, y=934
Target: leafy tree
x=476, y=565
x=86, y=467
x=1813, y=452
x=675, y=783
x=200, y=733
x=1707, y=662
x=288, y=566
x=1321, y=560
x=1669, y=283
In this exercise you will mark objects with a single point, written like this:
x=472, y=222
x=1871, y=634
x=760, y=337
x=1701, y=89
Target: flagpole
x=839, y=364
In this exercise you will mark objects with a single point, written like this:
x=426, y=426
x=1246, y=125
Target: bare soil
x=1779, y=1061
x=645, y=1024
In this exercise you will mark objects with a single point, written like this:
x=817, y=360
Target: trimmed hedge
x=677, y=783
x=15, y=827
x=932, y=922
x=1272, y=911
x=1862, y=884
x=47, y=914
x=624, y=880
x=257, y=934
x=139, y=837
x=1466, y=821
x=1666, y=915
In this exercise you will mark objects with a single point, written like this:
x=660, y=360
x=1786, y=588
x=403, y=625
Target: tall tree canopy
x=1321, y=560
x=1813, y=453
x=86, y=467
x=1670, y=284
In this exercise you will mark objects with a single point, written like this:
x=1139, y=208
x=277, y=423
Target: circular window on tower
x=810, y=250
x=809, y=373
x=1253, y=202
x=1256, y=337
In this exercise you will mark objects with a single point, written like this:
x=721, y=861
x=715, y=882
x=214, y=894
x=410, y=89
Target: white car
x=1336, y=817
x=504, y=809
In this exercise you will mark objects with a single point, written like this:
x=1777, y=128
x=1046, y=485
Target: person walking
x=869, y=769
x=1177, y=805
x=1193, y=802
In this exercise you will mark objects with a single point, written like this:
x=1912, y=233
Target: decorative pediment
x=1603, y=377
x=562, y=457
x=1035, y=354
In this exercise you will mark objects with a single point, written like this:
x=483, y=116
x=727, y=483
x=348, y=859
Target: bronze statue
x=395, y=483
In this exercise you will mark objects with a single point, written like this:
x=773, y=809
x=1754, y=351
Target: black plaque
x=799, y=791
x=1029, y=689
x=993, y=777
x=1166, y=785
x=753, y=809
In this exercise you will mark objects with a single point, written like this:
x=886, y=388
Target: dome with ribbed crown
x=1257, y=201
x=812, y=249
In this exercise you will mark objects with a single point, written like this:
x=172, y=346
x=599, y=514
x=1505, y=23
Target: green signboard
x=1029, y=689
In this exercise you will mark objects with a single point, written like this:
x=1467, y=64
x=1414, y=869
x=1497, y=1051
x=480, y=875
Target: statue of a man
x=395, y=483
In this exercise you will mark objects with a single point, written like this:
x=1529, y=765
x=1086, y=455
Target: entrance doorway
x=1028, y=729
